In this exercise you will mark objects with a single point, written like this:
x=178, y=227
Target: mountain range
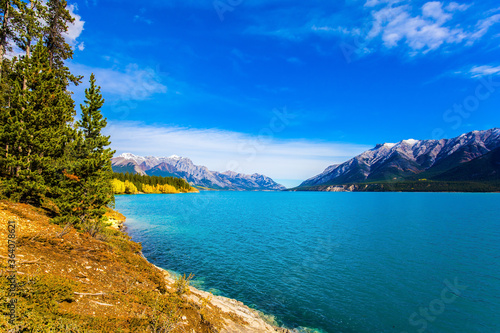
x=175, y=166
x=473, y=156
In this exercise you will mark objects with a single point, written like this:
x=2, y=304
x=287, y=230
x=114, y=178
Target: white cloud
x=326, y=29
x=221, y=150
x=484, y=25
x=139, y=18
x=394, y=24
x=426, y=29
x=373, y=3
x=290, y=33
x=479, y=71
x=74, y=29
x=131, y=83
x=434, y=9
x=422, y=33
x=453, y=6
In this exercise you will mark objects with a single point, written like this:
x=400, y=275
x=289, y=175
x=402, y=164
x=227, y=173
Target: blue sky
x=286, y=87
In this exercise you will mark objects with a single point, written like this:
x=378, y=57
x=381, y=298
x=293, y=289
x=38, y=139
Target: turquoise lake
x=334, y=262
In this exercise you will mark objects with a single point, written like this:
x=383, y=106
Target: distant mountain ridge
x=196, y=175
x=445, y=159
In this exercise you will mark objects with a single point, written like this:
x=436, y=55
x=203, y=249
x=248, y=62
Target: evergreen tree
x=29, y=24
x=38, y=121
x=45, y=158
x=58, y=17
x=6, y=131
x=57, y=24
x=9, y=10
x=91, y=174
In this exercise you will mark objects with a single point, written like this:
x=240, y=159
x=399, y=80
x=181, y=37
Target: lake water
x=334, y=262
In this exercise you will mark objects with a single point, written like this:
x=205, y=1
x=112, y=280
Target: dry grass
x=132, y=295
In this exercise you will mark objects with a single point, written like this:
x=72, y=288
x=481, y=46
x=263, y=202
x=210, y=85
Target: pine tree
x=45, y=158
x=37, y=109
x=38, y=121
x=90, y=177
x=29, y=24
x=57, y=24
x=5, y=97
x=9, y=12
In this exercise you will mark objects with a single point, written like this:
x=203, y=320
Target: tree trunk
x=28, y=50
x=8, y=170
x=29, y=159
x=3, y=41
x=18, y=167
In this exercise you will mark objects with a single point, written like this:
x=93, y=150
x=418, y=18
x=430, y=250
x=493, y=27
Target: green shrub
x=182, y=284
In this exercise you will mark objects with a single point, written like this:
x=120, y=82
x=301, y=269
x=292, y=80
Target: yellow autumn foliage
x=128, y=187
x=118, y=186
x=159, y=189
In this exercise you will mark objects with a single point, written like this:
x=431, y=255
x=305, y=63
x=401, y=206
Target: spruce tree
x=6, y=133
x=45, y=158
x=39, y=119
x=57, y=24
x=91, y=174
x=9, y=12
x=29, y=24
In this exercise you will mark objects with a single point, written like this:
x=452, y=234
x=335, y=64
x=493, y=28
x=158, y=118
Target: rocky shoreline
x=252, y=321
x=249, y=320
x=67, y=278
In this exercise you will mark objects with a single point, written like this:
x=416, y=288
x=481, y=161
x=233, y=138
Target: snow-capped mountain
x=410, y=159
x=196, y=175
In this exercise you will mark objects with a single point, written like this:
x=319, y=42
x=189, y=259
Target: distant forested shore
x=127, y=183
x=407, y=186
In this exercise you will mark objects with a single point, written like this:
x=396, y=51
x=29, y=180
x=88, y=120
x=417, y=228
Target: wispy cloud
x=338, y=30
x=130, y=83
x=415, y=26
x=480, y=71
x=221, y=150
x=426, y=31
x=453, y=6
x=484, y=25
x=139, y=18
x=75, y=29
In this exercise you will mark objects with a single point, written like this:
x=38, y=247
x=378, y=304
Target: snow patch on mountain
x=411, y=141
x=408, y=158
x=194, y=174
